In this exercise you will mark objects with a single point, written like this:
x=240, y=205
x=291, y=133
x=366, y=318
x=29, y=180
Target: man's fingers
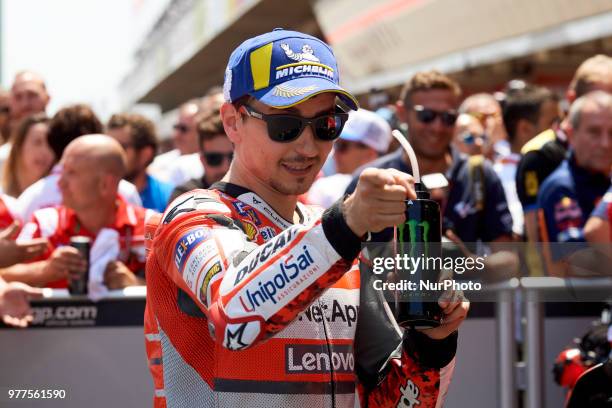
x=375, y=177
x=383, y=221
x=34, y=293
x=34, y=244
x=404, y=180
x=390, y=208
x=459, y=312
x=391, y=192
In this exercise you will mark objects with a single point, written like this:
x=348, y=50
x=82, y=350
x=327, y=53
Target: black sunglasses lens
x=329, y=127
x=448, y=118
x=284, y=128
x=426, y=115
x=213, y=159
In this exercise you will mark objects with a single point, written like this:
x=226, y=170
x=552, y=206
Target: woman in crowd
x=30, y=158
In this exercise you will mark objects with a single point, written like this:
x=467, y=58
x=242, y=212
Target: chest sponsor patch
x=316, y=359
x=334, y=312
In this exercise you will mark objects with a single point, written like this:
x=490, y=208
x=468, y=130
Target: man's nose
x=306, y=143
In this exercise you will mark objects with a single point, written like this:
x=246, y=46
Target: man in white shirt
x=183, y=162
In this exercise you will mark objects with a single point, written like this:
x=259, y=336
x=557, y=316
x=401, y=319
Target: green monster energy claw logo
x=413, y=229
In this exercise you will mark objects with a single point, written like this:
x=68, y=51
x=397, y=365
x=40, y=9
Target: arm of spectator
x=14, y=303
x=597, y=227
x=118, y=276
x=64, y=261
x=12, y=252
x=527, y=186
x=496, y=220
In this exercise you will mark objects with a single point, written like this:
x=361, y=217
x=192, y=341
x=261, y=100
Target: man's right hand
x=378, y=200
x=64, y=262
x=13, y=252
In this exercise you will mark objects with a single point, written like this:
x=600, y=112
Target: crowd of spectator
x=509, y=168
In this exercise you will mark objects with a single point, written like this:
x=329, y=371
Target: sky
x=83, y=48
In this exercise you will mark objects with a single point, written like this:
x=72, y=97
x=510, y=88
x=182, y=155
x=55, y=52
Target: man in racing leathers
x=255, y=300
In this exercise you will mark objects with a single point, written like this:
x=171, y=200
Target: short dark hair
x=524, y=104
x=142, y=130
x=209, y=126
x=427, y=81
x=69, y=123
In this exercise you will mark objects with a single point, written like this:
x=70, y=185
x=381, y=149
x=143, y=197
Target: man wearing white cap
x=365, y=137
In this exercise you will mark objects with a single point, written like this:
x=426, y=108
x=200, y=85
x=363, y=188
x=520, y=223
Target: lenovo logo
x=315, y=359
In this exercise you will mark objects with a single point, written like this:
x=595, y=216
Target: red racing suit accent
x=8, y=211
x=59, y=224
x=245, y=309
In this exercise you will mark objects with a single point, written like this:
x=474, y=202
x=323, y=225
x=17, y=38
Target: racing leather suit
x=245, y=309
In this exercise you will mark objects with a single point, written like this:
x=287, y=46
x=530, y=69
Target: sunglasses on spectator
x=215, y=159
x=285, y=128
x=342, y=146
x=470, y=138
x=426, y=115
x=5, y=109
x=179, y=127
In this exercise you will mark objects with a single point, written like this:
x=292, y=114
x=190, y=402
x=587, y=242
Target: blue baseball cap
x=283, y=68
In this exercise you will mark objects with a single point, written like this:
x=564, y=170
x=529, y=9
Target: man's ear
x=400, y=110
x=106, y=183
x=570, y=95
x=232, y=122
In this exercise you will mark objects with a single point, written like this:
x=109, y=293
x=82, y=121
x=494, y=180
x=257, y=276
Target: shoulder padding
x=207, y=201
x=540, y=140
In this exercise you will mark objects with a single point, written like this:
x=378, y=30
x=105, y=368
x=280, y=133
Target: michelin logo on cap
x=283, y=68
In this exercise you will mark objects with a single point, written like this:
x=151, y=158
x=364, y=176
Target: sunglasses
x=286, y=128
x=215, y=159
x=470, y=138
x=426, y=115
x=179, y=127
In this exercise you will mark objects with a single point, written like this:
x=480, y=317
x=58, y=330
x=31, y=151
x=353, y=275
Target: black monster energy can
x=419, y=239
x=78, y=285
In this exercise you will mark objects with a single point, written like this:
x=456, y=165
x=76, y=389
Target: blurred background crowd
x=509, y=110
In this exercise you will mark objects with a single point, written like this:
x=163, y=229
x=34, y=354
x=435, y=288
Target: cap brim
x=293, y=92
x=349, y=136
